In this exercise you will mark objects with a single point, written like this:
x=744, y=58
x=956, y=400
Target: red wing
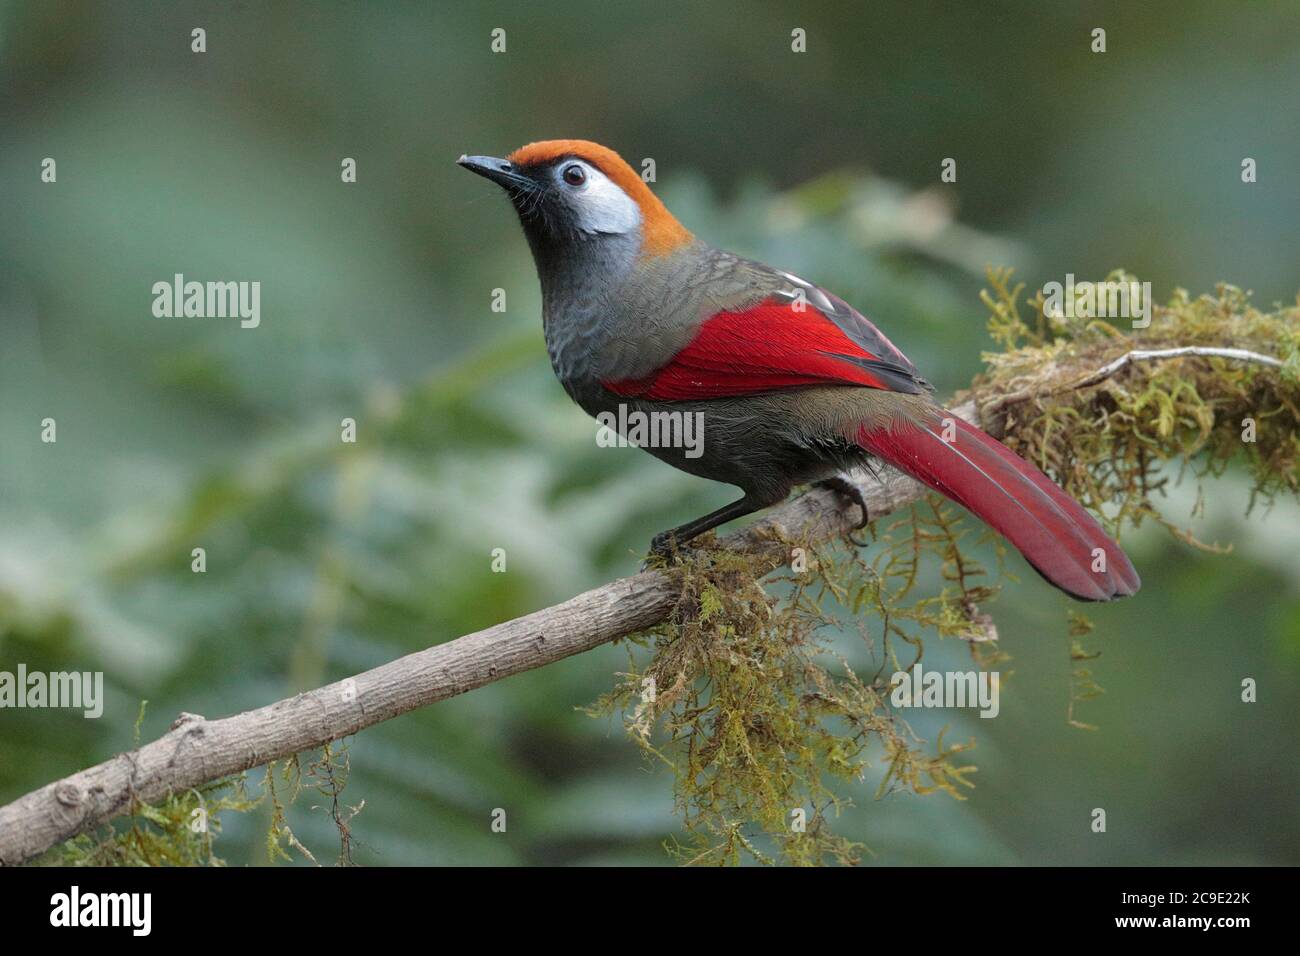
x=779, y=343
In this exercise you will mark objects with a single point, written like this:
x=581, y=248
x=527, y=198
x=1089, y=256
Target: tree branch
x=197, y=751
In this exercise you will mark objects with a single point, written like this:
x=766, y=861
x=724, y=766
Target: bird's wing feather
x=797, y=335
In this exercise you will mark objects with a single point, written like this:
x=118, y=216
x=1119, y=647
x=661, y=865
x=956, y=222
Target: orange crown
x=661, y=232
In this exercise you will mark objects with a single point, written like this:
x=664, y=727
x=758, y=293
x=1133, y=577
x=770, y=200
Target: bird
x=794, y=387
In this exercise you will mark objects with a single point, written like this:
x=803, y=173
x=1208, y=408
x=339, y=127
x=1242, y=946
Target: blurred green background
x=324, y=559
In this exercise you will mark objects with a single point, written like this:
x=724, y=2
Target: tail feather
x=1052, y=530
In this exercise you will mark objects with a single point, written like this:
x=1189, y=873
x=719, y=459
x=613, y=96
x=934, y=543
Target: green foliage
x=179, y=831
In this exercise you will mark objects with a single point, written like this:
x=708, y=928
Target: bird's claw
x=851, y=492
x=663, y=546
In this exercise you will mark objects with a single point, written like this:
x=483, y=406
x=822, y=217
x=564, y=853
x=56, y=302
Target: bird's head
x=570, y=191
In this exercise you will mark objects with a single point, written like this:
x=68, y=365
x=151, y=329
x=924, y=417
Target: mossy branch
x=1098, y=408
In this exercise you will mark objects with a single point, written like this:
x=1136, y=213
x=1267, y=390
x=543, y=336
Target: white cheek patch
x=601, y=206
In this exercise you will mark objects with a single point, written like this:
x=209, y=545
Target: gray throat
x=582, y=279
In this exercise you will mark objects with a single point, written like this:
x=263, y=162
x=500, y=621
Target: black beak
x=501, y=171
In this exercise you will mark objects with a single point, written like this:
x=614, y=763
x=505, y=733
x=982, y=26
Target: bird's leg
x=849, y=490
x=667, y=542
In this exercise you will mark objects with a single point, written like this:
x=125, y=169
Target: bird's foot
x=664, y=546
x=850, y=491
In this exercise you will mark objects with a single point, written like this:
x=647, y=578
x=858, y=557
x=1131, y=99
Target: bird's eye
x=574, y=174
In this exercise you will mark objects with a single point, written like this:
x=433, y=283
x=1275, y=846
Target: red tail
x=1013, y=497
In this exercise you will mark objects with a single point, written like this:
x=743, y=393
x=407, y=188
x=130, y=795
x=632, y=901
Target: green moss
x=1109, y=445
x=327, y=775
x=759, y=719
x=181, y=830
